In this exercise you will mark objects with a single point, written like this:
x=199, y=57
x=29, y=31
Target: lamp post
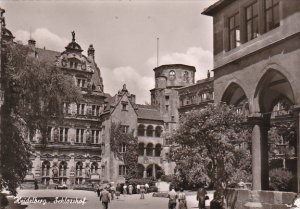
x=2, y=11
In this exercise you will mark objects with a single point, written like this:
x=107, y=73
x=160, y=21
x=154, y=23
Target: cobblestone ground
x=92, y=201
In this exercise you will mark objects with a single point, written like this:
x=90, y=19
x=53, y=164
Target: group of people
x=181, y=198
x=109, y=192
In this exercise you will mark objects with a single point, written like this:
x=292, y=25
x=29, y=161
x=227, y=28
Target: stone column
x=260, y=164
x=296, y=110
x=145, y=150
x=153, y=171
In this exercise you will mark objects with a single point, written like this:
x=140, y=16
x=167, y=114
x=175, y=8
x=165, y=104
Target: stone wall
x=247, y=199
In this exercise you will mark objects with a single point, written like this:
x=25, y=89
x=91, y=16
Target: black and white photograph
x=142, y=104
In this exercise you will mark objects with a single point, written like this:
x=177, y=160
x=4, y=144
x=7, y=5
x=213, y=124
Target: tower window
x=272, y=14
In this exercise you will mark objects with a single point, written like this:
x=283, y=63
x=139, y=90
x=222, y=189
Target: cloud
x=136, y=83
x=194, y=56
x=43, y=38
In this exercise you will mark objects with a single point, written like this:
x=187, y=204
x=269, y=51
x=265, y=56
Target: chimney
x=91, y=52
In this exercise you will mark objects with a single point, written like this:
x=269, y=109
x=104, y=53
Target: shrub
x=141, y=181
x=281, y=179
x=152, y=189
x=167, y=178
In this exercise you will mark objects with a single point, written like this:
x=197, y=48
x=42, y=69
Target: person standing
x=142, y=190
x=104, y=197
x=138, y=188
x=124, y=189
x=182, y=200
x=146, y=187
x=201, y=196
x=112, y=192
x=130, y=188
x=98, y=190
x=172, y=195
x=118, y=191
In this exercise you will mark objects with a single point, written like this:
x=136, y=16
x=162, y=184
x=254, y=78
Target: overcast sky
x=124, y=34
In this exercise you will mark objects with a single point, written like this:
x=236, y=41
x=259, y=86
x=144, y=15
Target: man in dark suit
x=104, y=197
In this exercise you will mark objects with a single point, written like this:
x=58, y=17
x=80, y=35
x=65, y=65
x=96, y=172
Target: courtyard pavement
x=93, y=202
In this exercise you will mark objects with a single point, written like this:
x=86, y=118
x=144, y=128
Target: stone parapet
x=247, y=199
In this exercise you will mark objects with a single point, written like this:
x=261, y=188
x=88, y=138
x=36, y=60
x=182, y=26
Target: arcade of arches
x=150, y=170
x=273, y=96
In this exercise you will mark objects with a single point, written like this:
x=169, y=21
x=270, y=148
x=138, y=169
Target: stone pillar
x=153, y=171
x=260, y=164
x=153, y=152
x=145, y=150
x=296, y=110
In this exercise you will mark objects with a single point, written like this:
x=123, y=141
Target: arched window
x=157, y=150
x=46, y=168
x=94, y=167
x=150, y=131
x=172, y=74
x=158, y=131
x=141, y=130
x=79, y=167
x=141, y=149
x=63, y=169
x=149, y=149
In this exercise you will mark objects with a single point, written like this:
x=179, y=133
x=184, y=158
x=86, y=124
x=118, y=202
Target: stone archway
x=272, y=86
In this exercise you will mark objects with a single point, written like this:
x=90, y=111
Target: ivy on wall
x=118, y=140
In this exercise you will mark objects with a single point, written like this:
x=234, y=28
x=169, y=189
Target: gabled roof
x=47, y=56
x=148, y=112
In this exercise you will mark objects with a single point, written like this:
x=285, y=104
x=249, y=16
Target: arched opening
x=141, y=130
x=79, y=173
x=149, y=149
x=150, y=130
x=45, y=172
x=94, y=168
x=235, y=95
x=63, y=172
x=158, y=131
x=140, y=169
x=141, y=149
x=154, y=170
x=274, y=97
x=158, y=150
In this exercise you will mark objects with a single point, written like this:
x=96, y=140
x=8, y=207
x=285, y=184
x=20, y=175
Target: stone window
x=150, y=131
x=252, y=21
x=79, y=135
x=234, y=31
x=63, y=134
x=167, y=107
x=122, y=170
x=124, y=106
x=272, y=14
x=141, y=149
x=141, y=130
x=158, y=131
x=172, y=74
x=122, y=148
x=125, y=128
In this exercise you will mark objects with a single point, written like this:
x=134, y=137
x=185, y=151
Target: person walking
x=98, y=190
x=104, y=197
x=118, y=191
x=142, y=190
x=201, y=197
x=172, y=195
x=182, y=200
x=112, y=191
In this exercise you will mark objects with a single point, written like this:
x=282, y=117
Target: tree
x=130, y=157
x=211, y=146
x=34, y=93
